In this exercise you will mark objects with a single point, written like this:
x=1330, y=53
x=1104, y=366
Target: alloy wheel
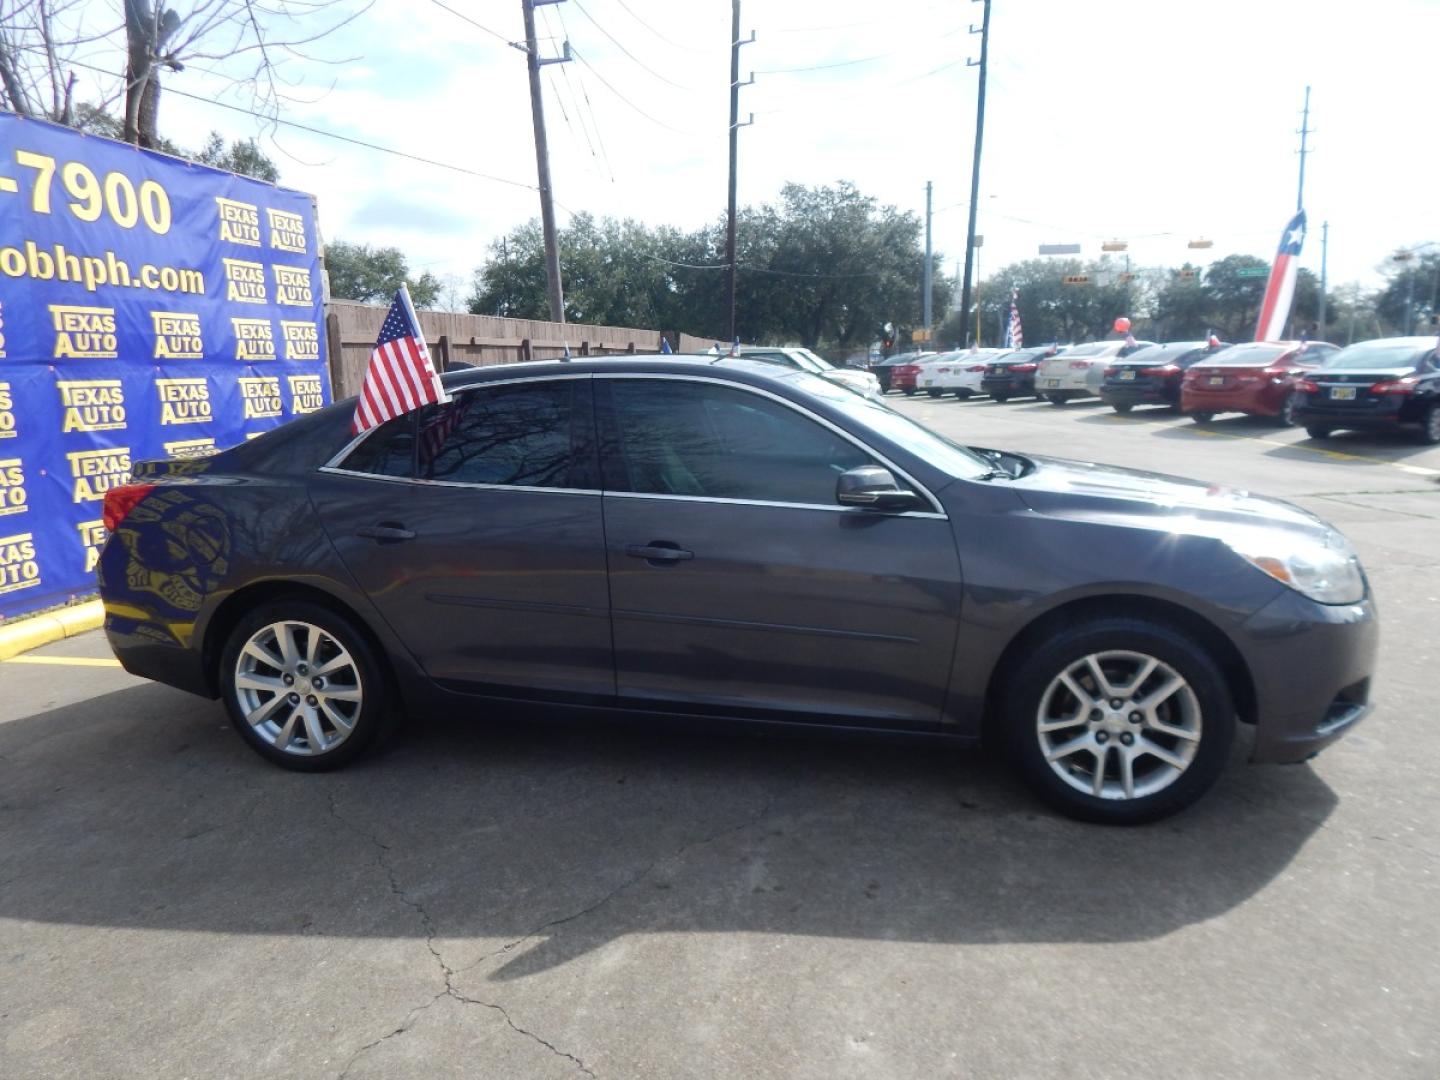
x=1119, y=725
x=298, y=688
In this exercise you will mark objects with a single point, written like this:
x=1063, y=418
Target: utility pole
x=1303, y=133
x=929, y=258
x=553, y=284
x=1324, y=254
x=735, y=127
x=984, y=33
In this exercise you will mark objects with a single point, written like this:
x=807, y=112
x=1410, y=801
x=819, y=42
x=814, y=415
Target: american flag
x=1014, y=337
x=401, y=376
x=1280, y=288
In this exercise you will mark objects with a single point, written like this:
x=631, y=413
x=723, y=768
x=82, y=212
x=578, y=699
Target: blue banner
x=149, y=308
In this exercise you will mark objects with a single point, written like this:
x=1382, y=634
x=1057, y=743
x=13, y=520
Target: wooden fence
x=481, y=340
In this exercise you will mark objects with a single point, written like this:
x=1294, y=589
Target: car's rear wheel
x=1119, y=720
x=1000, y=398
x=1430, y=426
x=1202, y=417
x=935, y=393
x=963, y=394
x=1056, y=399
x=1286, y=415
x=303, y=686
x=1122, y=409
x=1317, y=431
x=909, y=391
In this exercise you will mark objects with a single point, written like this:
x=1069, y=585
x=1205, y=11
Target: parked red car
x=1258, y=379
x=903, y=376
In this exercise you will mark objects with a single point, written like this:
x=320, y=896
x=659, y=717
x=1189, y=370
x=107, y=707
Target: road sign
x=920, y=335
x=1114, y=245
x=1186, y=275
x=1075, y=279
x=1201, y=243
x=1252, y=271
x=1059, y=249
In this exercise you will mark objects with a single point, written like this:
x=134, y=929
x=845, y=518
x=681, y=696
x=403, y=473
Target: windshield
x=1249, y=355
x=949, y=457
x=1166, y=354
x=1094, y=349
x=1374, y=355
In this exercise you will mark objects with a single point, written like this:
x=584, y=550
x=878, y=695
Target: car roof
x=655, y=363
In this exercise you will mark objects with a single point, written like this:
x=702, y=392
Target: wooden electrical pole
x=553, y=284
x=735, y=127
x=984, y=32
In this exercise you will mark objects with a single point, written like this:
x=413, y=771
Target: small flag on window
x=401, y=376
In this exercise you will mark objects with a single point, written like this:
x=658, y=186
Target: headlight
x=1324, y=570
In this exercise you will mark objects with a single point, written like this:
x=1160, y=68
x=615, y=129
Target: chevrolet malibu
x=733, y=544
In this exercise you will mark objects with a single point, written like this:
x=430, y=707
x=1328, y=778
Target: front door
x=739, y=586
x=476, y=529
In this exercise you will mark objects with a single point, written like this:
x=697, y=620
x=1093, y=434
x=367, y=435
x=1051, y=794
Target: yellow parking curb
x=31, y=633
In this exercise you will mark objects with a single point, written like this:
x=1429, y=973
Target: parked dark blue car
x=736, y=544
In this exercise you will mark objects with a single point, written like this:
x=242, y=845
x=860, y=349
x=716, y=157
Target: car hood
x=1058, y=487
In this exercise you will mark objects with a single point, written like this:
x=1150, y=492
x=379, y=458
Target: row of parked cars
x=1386, y=383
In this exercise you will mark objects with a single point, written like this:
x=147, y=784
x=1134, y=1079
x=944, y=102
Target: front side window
x=521, y=435
x=675, y=437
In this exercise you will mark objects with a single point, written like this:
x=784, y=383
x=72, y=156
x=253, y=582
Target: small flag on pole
x=1129, y=341
x=1280, y=288
x=735, y=347
x=665, y=349
x=1213, y=342
x=567, y=351
x=1014, y=336
x=401, y=376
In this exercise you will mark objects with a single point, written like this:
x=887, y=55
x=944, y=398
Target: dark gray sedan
x=732, y=543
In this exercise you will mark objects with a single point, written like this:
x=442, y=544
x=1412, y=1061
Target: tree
x=244, y=157
x=1235, y=299
x=1184, y=307
x=372, y=275
x=1411, y=284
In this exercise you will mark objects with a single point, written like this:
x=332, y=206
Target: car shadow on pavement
x=1143, y=413
x=517, y=847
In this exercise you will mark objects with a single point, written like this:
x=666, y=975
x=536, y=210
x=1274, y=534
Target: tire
x=1286, y=416
x=910, y=391
x=964, y=395
x=1056, y=399
x=935, y=393
x=1430, y=426
x=1317, y=431
x=1192, y=727
x=1122, y=409
x=1000, y=398
x=1202, y=417
x=321, y=640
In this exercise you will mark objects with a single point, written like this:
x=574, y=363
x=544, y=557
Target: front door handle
x=387, y=532
x=659, y=551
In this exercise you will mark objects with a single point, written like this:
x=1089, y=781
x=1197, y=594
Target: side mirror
x=874, y=488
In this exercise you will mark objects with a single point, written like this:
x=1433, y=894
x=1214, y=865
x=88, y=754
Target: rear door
x=738, y=585
x=476, y=528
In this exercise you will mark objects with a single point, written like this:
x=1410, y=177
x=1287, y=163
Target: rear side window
x=522, y=435
x=388, y=451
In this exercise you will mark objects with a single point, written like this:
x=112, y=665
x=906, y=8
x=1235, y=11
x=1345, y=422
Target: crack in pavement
x=447, y=973
x=629, y=883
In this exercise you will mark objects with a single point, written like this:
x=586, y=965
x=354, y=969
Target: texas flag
x=1280, y=289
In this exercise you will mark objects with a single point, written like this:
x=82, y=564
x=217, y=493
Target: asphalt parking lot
x=497, y=900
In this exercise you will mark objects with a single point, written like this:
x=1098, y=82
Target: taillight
x=1111, y=372
x=1396, y=386
x=120, y=501
x=977, y=367
x=1306, y=386
x=1168, y=369
x=1024, y=369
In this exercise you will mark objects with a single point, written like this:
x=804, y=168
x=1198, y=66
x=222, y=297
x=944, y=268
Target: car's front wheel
x=1000, y=399
x=1317, y=431
x=909, y=391
x=1056, y=399
x=303, y=686
x=933, y=392
x=1119, y=720
x=1122, y=409
x=1286, y=416
x=1202, y=417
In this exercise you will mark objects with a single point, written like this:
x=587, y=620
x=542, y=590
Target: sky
x=1147, y=121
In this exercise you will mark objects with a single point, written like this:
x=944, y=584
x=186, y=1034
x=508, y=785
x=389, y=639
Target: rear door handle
x=659, y=551
x=387, y=532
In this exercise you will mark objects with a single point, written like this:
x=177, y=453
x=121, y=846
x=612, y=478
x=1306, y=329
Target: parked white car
x=862, y=382
x=957, y=372
x=1080, y=370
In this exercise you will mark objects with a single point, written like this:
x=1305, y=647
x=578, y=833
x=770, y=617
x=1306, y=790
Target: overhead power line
x=322, y=131
x=619, y=45
x=606, y=83
x=668, y=41
x=472, y=22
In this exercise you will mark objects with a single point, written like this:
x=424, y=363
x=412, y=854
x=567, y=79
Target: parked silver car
x=1080, y=370
x=801, y=359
